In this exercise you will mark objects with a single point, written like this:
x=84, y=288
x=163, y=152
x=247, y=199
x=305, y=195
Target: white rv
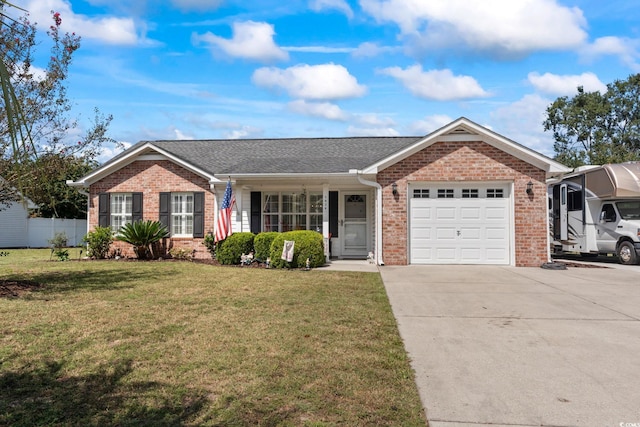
x=596, y=210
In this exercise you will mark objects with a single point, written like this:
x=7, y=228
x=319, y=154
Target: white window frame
x=182, y=214
x=118, y=218
x=308, y=210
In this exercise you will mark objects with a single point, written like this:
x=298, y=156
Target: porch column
x=325, y=220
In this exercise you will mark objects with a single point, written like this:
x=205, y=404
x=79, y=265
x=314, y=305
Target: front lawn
x=178, y=343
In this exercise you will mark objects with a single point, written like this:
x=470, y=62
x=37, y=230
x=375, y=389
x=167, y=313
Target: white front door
x=355, y=225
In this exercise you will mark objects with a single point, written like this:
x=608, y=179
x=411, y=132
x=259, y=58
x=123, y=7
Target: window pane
x=315, y=201
x=315, y=222
x=271, y=203
x=287, y=223
x=270, y=223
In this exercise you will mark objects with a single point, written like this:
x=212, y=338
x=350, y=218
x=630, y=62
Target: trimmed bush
x=231, y=249
x=262, y=244
x=98, y=242
x=309, y=244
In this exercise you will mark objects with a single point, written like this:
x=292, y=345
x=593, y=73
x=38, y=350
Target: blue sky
x=202, y=69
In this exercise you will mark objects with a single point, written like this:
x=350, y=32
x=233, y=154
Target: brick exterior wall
x=151, y=177
x=459, y=162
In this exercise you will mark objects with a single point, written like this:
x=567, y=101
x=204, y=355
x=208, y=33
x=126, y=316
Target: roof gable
x=464, y=130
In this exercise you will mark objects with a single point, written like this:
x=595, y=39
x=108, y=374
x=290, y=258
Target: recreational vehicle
x=596, y=210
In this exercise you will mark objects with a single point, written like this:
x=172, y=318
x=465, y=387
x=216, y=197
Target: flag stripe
x=223, y=226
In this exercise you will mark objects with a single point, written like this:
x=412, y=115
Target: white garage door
x=453, y=223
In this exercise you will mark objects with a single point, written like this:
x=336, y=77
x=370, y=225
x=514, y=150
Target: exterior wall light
x=394, y=189
x=530, y=188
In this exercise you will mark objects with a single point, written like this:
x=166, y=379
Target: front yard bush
x=309, y=244
x=229, y=251
x=143, y=235
x=262, y=244
x=98, y=242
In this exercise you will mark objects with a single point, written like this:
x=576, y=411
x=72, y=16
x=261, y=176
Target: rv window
x=629, y=210
x=574, y=200
x=608, y=214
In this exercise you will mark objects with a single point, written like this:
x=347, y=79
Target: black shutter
x=256, y=212
x=333, y=213
x=136, y=207
x=104, y=210
x=198, y=214
x=165, y=210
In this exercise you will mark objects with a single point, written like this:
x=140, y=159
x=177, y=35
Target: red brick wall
x=151, y=177
x=466, y=161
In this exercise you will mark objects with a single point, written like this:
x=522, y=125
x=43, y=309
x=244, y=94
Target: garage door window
x=445, y=193
x=495, y=193
x=469, y=193
x=421, y=193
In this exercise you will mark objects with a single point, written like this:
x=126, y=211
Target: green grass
x=178, y=343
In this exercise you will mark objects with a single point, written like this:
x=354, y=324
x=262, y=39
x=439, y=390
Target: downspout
x=378, y=187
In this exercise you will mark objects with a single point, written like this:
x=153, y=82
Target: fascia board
x=480, y=133
x=131, y=157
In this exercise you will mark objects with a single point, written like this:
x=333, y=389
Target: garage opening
x=460, y=223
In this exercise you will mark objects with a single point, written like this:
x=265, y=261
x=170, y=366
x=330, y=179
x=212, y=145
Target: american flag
x=223, y=227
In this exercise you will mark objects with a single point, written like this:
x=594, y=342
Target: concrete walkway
x=506, y=346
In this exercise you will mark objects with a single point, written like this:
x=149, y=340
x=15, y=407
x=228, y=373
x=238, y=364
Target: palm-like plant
x=143, y=234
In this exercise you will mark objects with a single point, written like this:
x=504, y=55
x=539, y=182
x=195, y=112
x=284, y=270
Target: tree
x=596, y=128
x=45, y=110
x=45, y=178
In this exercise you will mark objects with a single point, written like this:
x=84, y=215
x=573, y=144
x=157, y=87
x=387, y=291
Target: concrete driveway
x=507, y=346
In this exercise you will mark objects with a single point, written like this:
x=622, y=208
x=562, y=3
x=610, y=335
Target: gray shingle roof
x=307, y=155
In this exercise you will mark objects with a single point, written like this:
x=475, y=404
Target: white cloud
x=325, y=110
x=375, y=131
x=181, y=135
x=440, y=85
x=522, y=122
x=430, y=124
x=242, y=132
x=340, y=5
x=251, y=40
x=369, y=50
x=554, y=84
x=197, y=5
x=375, y=120
x=318, y=49
x=316, y=82
x=108, y=29
x=497, y=27
x=109, y=152
x=628, y=50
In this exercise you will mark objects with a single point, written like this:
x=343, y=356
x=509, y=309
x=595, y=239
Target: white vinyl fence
x=41, y=230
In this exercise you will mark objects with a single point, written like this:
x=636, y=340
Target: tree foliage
x=45, y=114
x=597, y=128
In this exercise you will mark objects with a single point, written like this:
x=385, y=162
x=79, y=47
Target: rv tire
x=627, y=253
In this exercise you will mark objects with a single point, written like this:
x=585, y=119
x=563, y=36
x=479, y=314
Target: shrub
x=142, y=235
x=182, y=254
x=98, y=242
x=231, y=249
x=262, y=244
x=59, y=240
x=210, y=242
x=308, y=244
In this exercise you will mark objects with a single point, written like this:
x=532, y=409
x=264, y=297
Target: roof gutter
x=378, y=187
